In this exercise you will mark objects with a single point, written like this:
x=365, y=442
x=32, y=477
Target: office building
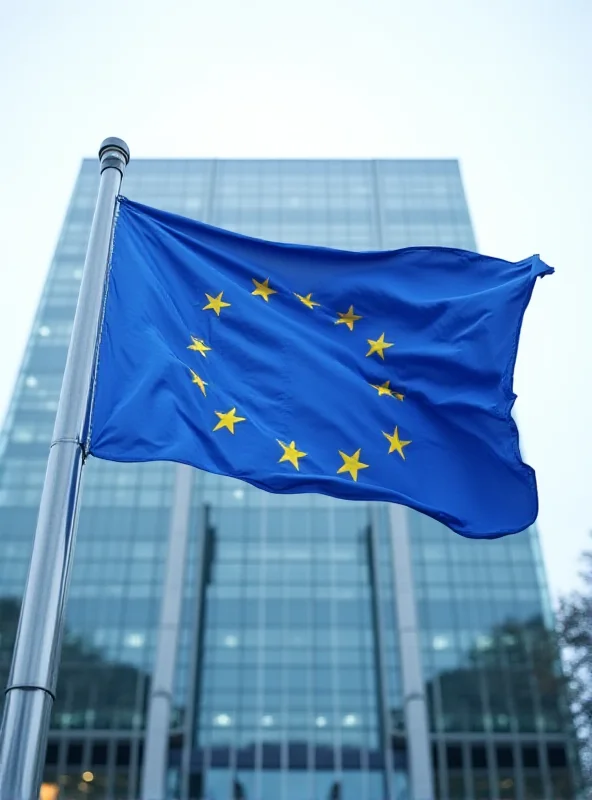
x=288, y=682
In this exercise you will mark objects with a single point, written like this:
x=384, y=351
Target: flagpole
x=33, y=676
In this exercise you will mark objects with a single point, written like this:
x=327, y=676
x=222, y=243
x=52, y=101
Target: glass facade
x=288, y=683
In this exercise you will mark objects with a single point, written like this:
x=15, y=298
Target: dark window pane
x=479, y=757
x=454, y=757
x=505, y=757
x=122, y=756
x=74, y=754
x=556, y=755
x=530, y=757
x=435, y=759
x=99, y=754
x=51, y=757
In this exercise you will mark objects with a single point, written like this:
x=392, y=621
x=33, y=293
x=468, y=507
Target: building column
x=414, y=696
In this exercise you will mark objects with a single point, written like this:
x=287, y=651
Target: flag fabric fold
x=381, y=376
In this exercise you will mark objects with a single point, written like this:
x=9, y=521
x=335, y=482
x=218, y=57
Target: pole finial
x=114, y=152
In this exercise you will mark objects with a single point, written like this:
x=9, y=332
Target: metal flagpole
x=156, y=747
x=33, y=676
x=414, y=697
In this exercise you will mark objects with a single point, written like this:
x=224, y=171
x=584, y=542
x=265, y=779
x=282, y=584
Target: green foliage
x=574, y=627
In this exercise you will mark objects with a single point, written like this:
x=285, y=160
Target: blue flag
x=366, y=376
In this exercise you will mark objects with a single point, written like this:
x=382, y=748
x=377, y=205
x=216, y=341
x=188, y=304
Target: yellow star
x=291, y=454
x=228, y=420
x=199, y=345
x=396, y=444
x=352, y=464
x=378, y=346
x=384, y=389
x=307, y=300
x=201, y=383
x=347, y=318
x=263, y=289
x=215, y=303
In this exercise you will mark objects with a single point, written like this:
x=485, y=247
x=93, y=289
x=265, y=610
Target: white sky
x=505, y=86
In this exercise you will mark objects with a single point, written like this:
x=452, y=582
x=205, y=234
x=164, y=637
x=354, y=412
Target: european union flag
x=366, y=376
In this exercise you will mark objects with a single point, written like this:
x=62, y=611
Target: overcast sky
x=504, y=86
